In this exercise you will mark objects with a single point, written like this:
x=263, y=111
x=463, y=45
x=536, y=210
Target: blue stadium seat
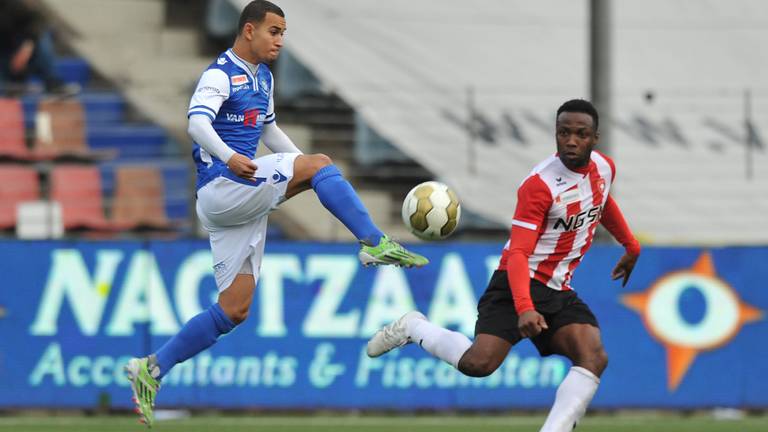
x=73, y=70
x=103, y=107
x=131, y=141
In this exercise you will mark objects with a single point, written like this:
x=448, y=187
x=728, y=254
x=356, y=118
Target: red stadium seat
x=12, y=143
x=17, y=184
x=78, y=189
x=139, y=201
x=60, y=132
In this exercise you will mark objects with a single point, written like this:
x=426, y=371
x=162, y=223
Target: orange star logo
x=722, y=320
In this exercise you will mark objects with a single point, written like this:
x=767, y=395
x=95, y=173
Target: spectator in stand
x=26, y=49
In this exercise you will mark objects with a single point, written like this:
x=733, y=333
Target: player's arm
x=613, y=220
x=276, y=140
x=533, y=203
x=273, y=137
x=211, y=92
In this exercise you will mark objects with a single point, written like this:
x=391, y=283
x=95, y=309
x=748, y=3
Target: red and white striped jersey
x=564, y=207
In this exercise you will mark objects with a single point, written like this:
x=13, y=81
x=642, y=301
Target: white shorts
x=235, y=216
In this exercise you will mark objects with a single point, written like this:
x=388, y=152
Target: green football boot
x=142, y=373
x=390, y=252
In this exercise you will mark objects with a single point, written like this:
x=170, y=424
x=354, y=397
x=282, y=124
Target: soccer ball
x=431, y=210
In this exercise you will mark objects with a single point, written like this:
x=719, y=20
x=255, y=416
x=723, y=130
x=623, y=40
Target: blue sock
x=197, y=334
x=338, y=196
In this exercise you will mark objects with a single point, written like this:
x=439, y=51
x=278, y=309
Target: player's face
x=265, y=39
x=576, y=137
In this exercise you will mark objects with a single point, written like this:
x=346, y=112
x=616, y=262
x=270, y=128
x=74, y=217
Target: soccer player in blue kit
x=231, y=109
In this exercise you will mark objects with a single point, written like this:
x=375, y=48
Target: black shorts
x=496, y=314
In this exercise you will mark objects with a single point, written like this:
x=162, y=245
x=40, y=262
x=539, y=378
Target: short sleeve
x=212, y=90
x=533, y=202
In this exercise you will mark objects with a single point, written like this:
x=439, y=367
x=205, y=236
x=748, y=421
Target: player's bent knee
x=308, y=165
x=477, y=367
x=595, y=361
x=322, y=160
x=239, y=316
x=236, y=314
x=601, y=359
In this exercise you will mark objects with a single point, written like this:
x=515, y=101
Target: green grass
x=344, y=423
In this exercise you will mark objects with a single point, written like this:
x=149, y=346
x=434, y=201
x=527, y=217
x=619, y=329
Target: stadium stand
x=477, y=111
x=98, y=131
x=472, y=102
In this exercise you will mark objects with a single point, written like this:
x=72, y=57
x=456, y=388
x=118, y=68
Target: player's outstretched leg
x=337, y=195
x=476, y=359
x=444, y=344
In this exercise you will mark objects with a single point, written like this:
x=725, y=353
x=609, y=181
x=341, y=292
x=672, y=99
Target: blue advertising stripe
x=81, y=309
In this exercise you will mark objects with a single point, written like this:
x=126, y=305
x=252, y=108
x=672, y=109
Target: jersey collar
x=248, y=67
x=583, y=170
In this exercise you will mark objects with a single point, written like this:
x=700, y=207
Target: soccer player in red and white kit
x=559, y=206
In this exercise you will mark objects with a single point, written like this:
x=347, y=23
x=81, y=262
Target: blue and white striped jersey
x=238, y=98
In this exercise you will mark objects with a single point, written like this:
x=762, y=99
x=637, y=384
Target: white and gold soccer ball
x=431, y=210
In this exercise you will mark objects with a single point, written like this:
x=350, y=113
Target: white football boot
x=392, y=335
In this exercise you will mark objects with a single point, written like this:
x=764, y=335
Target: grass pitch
x=349, y=423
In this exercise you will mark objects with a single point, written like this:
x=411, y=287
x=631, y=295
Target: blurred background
x=102, y=257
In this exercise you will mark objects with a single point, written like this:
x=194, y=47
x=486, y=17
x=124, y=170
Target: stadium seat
x=60, y=131
x=78, y=189
x=12, y=144
x=17, y=184
x=139, y=200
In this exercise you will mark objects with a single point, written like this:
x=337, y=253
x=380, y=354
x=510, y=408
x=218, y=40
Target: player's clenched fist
x=531, y=323
x=242, y=166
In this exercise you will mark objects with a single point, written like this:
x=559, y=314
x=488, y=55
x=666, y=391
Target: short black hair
x=255, y=12
x=580, y=106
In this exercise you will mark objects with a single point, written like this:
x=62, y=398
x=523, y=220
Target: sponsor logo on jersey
x=239, y=79
x=251, y=118
x=568, y=197
x=248, y=118
x=208, y=89
x=574, y=222
x=238, y=88
x=666, y=314
x=221, y=61
x=235, y=118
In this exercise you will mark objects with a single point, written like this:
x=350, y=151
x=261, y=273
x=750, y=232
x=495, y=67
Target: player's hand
x=531, y=323
x=242, y=166
x=624, y=268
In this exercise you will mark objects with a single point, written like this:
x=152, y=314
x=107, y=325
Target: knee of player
x=595, y=360
x=477, y=367
x=601, y=358
x=321, y=160
x=238, y=315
